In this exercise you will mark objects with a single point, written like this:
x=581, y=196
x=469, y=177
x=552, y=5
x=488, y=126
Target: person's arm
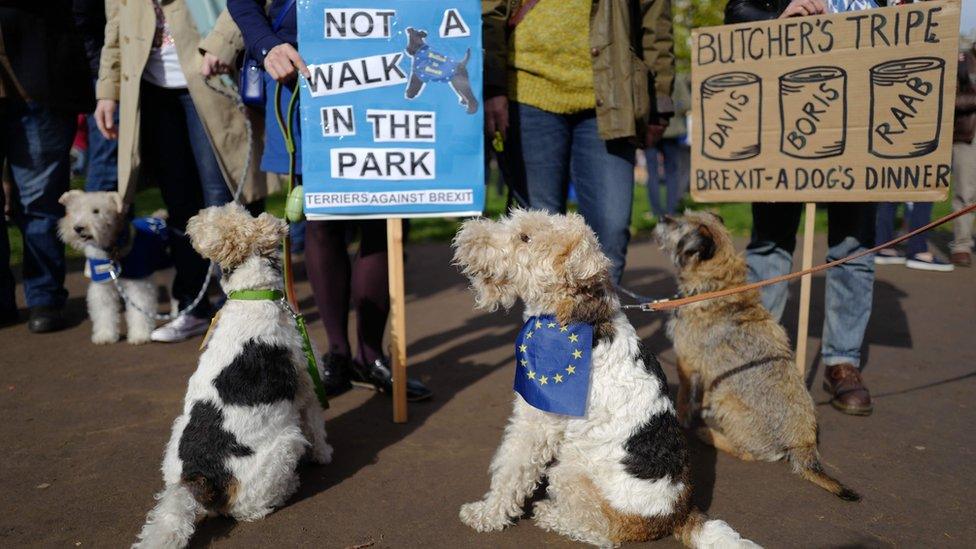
x=657, y=43
x=110, y=64
x=253, y=23
x=224, y=41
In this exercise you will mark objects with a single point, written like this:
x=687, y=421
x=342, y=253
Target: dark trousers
x=177, y=154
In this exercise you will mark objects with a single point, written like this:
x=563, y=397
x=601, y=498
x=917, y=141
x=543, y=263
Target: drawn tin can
x=813, y=112
x=906, y=107
x=731, y=111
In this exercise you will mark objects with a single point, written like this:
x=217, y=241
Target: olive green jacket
x=633, y=60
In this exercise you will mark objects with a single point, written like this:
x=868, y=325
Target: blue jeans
x=103, y=159
x=177, y=155
x=848, y=294
x=918, y=215
x=36, y=142
x=676, y=165
x=559, y=147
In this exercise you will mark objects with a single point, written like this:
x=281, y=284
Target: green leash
x=279, y=296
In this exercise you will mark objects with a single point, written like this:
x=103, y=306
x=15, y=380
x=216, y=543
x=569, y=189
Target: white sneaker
x=184, y=327
x=928, y=262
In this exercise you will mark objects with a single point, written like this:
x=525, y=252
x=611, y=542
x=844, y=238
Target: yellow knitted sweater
x=549, y=63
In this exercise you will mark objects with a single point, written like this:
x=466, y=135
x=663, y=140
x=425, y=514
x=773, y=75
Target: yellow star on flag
x=564, y=328
x=538, y=324
x=551, y=325
x=528, y=335
x=531, y=374
x=543, y=380
x=570, y=369
x=523, y=348
x=558, y=378
x=577, y=354
x=574, y=338
x=524, y=362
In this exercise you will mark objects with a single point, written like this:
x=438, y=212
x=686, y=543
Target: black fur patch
x=204, y=447
x=657, y=449
x=260, y=374
x=698, y=242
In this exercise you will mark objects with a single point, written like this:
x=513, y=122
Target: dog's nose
x=79, y=229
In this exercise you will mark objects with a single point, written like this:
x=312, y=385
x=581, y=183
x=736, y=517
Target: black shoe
x=379, y=376
x=8, y=317
x=45, y=319
x=335, y=374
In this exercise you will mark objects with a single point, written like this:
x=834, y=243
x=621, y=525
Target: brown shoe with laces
x=849, y=395
x=961, y=259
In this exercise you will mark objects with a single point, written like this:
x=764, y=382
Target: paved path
x=84, y=428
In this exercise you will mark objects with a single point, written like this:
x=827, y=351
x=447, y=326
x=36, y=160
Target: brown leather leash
x=674, y=303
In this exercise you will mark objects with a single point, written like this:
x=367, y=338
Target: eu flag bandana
x=430, y=66
x=552, y=365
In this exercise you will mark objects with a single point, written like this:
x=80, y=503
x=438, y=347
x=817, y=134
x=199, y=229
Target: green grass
x=737, y=216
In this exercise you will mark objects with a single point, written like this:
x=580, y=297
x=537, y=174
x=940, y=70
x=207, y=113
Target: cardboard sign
x=392, y=119
x=854, y=106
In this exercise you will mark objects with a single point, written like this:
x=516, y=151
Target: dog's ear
x=699, y=242
x=69, y=196
x=120, y=205
x=717, y=216
x=269, y=230
x=422, y=34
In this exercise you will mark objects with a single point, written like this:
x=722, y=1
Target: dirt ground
x=84, y=427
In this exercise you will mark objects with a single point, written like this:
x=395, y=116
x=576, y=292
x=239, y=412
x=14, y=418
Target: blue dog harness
x=148, y=253
x=430, y=66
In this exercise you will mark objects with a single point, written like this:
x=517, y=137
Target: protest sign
x=391, y=115
x=854, y=106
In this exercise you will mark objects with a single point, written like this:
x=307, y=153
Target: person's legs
x=329, y=272
x=8, y=302
x=170, y=157
x=103, y=164
x=537, y=158
x=671, y=150
x=603, y=172
x=651, y=155
x=371, y=290
x=677, y=188
x=38, y=141
x=920, y=215
x=214, y=187
x=849, y=288
x=884, y=228
x=963, y=195
x=770, y=250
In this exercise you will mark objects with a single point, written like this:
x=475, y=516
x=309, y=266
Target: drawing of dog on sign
x=430, y=66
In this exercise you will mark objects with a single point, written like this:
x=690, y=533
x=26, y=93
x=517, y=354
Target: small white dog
x=95, y=224
x=618, y=473
x=250, y=411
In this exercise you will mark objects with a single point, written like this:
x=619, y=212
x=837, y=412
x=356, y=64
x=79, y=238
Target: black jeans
x=173, y=146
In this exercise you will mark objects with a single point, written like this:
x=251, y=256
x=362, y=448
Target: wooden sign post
x=392, y=124
x=847, y=107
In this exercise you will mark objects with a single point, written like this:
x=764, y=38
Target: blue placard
x=392, y=118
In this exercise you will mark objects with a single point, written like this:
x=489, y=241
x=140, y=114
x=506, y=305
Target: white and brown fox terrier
x=250, y=411
x=619, y=472
x=95, y=224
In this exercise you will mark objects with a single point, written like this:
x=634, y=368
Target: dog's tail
x=171, y=523
x=806, y=463
x=467, y=56
x=700, y=532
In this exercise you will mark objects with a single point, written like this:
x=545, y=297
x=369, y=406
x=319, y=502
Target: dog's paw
x=322, y=455
x=483, y=517
x=137, y=339
x=104, y=338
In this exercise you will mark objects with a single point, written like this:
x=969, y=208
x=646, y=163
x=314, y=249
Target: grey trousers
x=963, y=194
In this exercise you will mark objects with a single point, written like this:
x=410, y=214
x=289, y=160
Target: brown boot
x=849, y=395
x=961, y=259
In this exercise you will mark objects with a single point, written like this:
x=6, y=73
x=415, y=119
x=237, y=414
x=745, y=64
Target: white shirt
x=163, y=66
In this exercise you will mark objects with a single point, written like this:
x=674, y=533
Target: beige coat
x=128, y=40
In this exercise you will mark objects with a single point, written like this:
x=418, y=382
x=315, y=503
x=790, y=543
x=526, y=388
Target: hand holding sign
x=800, y=8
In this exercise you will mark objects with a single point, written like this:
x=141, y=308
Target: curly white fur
x=277, y=433
x=91, y=225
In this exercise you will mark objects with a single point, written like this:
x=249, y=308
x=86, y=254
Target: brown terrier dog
x=734, y=360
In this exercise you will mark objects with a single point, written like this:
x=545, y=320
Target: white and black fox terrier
x=95, y=224
x=619, y=472
x=431, y=66
x=250, y=411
